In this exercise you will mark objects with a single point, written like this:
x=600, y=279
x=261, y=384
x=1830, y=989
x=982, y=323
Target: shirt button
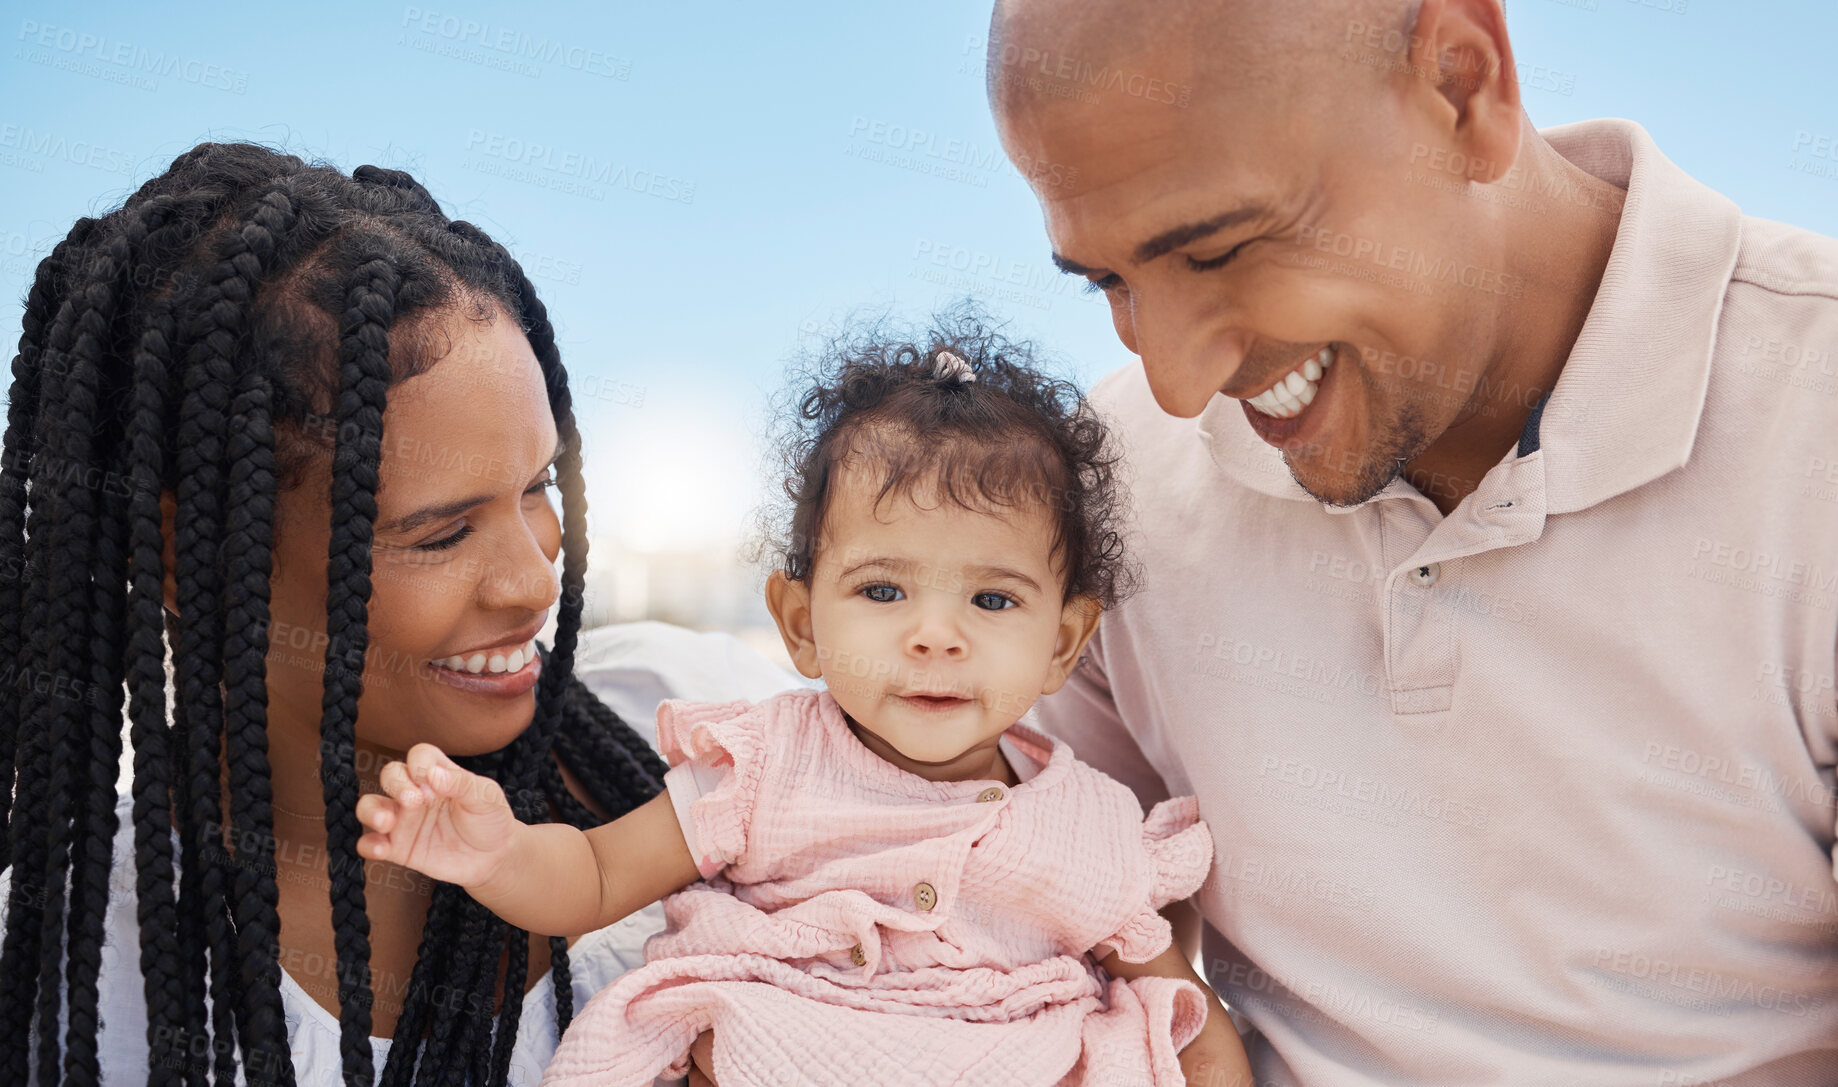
x=991, y=793
x=924, y=896
x=1426, y=575
x=857, y=957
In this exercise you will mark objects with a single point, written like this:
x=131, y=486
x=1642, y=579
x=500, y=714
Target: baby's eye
x=1001, y=602
x=880, y=593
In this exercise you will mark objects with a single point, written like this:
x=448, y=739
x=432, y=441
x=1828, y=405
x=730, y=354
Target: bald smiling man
x=1485, y=482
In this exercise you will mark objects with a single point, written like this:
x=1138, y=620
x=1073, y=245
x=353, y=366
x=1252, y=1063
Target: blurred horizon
x=702, y=190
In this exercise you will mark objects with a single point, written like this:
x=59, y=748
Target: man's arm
x=1216, y=1056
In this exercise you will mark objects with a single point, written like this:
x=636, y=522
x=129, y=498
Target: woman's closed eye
x=457, y=537
x=446, y=541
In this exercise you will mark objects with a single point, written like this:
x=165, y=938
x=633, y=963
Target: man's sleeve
x=1084, y=713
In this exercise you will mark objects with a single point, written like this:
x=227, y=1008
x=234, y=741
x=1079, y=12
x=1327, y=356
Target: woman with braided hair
x=277, y=450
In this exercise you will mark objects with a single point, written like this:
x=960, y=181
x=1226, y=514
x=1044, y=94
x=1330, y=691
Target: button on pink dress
x=814, y=847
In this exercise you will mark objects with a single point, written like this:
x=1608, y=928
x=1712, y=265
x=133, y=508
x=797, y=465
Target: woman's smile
x=505, y=684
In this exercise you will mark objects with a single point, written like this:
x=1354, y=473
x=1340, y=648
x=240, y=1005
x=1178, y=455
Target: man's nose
x=1186, y=354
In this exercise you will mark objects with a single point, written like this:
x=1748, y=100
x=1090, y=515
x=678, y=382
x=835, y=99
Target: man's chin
x=1344, y=491
x=1378, y=464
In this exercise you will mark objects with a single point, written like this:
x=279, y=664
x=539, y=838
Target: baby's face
x=934, y=627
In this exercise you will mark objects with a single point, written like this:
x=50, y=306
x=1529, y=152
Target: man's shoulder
x=1779, y=332
x=1787, y=260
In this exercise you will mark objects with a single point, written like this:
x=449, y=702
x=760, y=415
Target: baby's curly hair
x=1010, y=437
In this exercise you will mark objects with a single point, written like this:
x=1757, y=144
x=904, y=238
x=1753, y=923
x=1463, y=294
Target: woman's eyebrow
x=428, y=515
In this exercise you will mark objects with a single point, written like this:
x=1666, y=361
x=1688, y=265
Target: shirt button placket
x=924, y=896
x=1419, y=636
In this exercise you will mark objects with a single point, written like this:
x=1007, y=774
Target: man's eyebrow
x=1170, y=240
x=428, y=515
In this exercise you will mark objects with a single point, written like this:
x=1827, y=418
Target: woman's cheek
x=551, y=537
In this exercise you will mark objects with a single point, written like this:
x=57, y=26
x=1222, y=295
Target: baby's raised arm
x=444, y=821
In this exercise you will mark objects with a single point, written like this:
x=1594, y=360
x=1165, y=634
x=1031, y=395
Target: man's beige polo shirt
x=1540, y=792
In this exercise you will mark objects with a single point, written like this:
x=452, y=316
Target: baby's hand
x=438, y=818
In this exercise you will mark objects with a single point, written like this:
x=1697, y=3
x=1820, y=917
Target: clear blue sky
x=730, y=213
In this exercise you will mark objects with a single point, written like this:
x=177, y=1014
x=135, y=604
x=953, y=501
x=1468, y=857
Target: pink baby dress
x=857, y=924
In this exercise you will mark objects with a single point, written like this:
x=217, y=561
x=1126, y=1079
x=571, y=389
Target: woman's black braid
x=184, y=344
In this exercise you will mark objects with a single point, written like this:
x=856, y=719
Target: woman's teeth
x=1287, y=398
x=492, y=662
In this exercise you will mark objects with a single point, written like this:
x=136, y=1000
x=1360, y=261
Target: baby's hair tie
x=952, y=368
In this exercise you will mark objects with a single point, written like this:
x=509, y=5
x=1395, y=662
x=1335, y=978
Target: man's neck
x=1559, y=244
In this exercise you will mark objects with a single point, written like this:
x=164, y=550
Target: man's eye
x=1216, y=262
x=881, y=594
x=1107, y=284
x=1001, y=602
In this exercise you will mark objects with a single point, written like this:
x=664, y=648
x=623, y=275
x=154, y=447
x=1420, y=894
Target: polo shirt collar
x=1625, y=408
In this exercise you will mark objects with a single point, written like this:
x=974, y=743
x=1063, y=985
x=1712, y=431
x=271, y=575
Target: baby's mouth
x=935, y=702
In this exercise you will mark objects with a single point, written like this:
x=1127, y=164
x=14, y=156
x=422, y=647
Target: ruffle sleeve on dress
x=717, y=752
x=1180, y=850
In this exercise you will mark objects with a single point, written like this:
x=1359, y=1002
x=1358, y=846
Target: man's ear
x=790, y=604
x=1078, y=621
x=1463, y=47
x=169, y=515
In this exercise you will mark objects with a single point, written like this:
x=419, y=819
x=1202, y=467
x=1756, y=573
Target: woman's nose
x=522, y=574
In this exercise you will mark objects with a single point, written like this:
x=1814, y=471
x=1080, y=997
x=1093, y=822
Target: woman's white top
x=631, y=667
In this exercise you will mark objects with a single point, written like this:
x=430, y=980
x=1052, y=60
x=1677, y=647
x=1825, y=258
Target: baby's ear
x=790, y=604
x=1078, y=621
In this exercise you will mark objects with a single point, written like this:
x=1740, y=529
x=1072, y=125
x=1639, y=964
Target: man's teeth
x=1287, y=398
x=492, y=662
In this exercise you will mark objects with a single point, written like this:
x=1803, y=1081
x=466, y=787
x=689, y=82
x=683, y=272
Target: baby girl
x=888, y=880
